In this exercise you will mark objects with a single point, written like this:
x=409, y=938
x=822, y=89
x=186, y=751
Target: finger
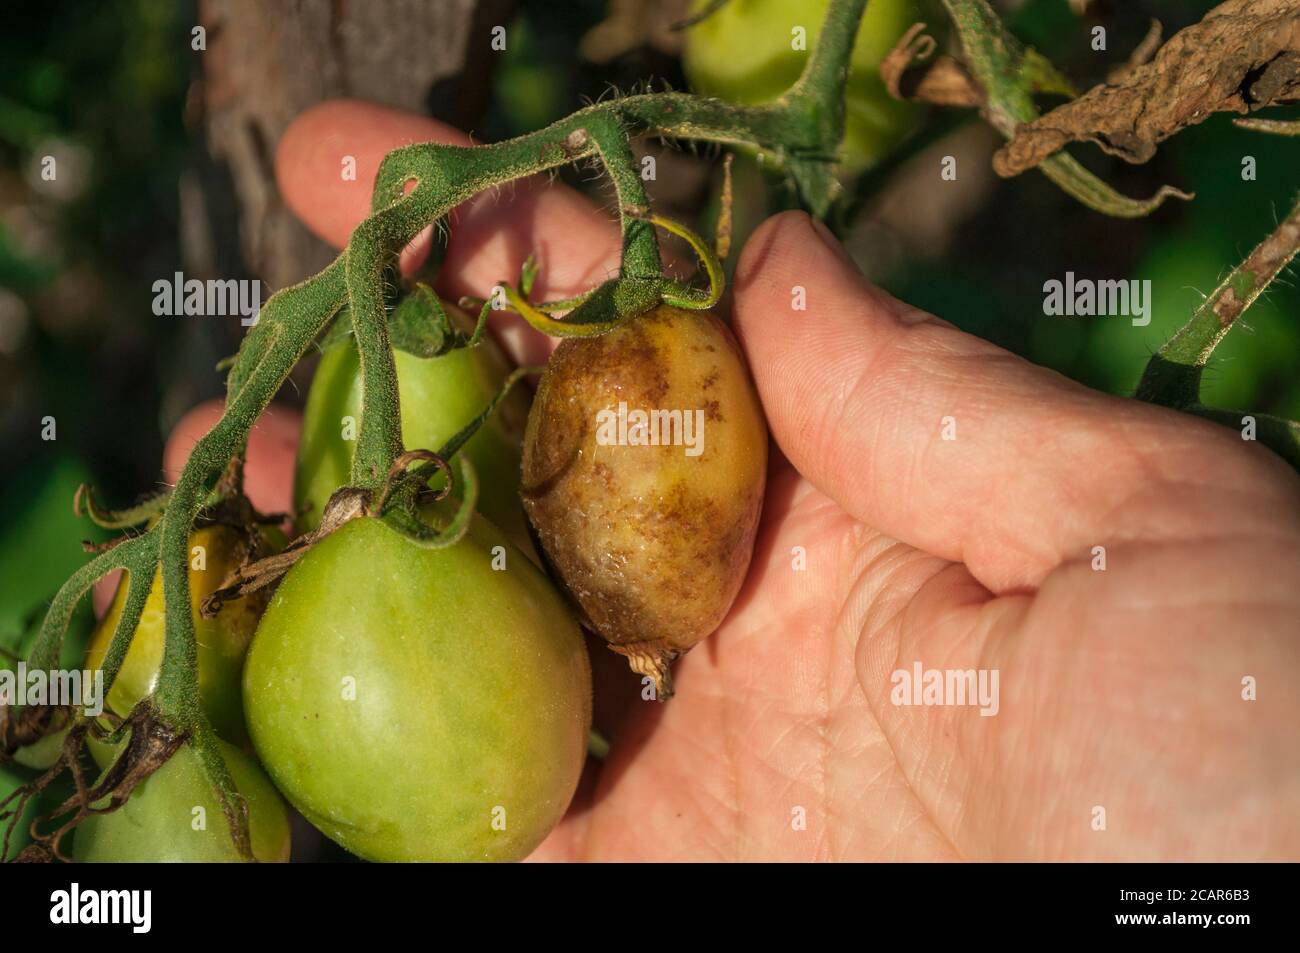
x=944, y=441
x=101, y=597
x=268, y=469
x=327, y=159
x=491, y=234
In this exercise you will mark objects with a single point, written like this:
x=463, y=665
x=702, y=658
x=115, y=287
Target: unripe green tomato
x=45, y=751
x=11, y=779
x=42, y=754
x=744, y=53
x=419, y=704
x=221, y=641
x=52, y=796
x=439, y=396
x=174, y=815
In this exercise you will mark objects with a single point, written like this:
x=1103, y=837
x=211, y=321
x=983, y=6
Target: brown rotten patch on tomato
x=1243, y=57
x=644, y=465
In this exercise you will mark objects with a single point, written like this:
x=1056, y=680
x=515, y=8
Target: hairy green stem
x=132, y=555
x=640, y=246
x=1173, y=376
x=137, y=594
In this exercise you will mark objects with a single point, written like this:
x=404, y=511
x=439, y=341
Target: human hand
x=1119, y=689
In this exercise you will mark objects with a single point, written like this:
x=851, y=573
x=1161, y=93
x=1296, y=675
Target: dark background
x=164, y=158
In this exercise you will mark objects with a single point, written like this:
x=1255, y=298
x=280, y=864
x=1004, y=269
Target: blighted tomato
x=438, y=397
x=421, y=704
x=644, y=465
x=221, y=640
x=752, y=51
x=175, y=816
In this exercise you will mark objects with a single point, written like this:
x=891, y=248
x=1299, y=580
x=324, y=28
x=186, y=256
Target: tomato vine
x=417, y=186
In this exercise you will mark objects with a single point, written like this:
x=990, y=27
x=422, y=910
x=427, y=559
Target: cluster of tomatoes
x=418, y=703
x=411, y=703
x=434, y=703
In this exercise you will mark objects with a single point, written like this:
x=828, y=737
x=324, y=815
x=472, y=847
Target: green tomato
x=175, y=815
x=11, y=779
x=56, y=793
x=419, y=704
x=44, y=752
x=222, y=640
x=745, y=53
x=439, y=396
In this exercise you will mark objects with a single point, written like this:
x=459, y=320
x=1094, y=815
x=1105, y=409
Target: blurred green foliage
x=994, y=288
x=743, y=53
x=41, y=543
x=100, y=88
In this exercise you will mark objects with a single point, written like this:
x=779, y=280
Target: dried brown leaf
x=1140, y=56
x=1244, y=56
x=944, y=82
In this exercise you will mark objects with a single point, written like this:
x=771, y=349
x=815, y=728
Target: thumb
x=947, y=442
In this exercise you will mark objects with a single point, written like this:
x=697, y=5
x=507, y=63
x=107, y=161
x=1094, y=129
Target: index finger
x=491, y=234
x=268, y=468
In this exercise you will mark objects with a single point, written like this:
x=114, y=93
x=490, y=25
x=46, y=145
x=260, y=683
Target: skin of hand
x=1121, y=730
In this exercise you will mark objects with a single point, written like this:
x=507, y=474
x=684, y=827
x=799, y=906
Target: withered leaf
x=944, y=82
x=1244, y=56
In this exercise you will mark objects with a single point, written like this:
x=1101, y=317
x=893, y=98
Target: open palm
x=1131, y=575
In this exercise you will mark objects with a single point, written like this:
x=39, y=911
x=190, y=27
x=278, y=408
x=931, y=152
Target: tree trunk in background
x=267, y=62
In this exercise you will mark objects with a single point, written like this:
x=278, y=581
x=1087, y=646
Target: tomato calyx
x=420, y=325
x=650, y=659
x=149, y=741
x=603, y=308
x=407, y=516
x=399, y=500
x=346, y=504
x=28, y=725
x=403, y=492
